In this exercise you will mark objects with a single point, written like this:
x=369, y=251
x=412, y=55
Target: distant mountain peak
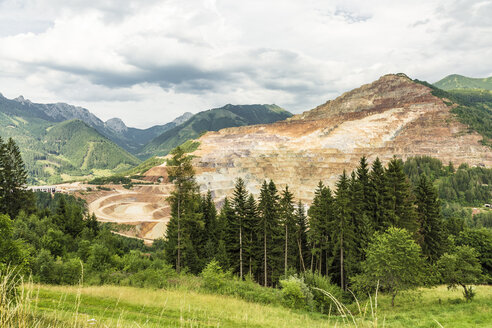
x=183, y=118
x=116, y=124
x=23, y=100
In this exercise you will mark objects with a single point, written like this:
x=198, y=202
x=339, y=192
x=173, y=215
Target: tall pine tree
x=399, y=197
x=321, y=220
x=343, y=233
x=431, y=235
x=301, y=238
x=287, y=218
x=186, y=224
x=240, y=205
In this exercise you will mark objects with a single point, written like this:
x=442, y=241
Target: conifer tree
x=186, y=224
x=364, y=185
x=210, y=240
x=287, y=218
x=359, y=219
x=224, y=234
x=321, y=220
x=13, y=180
x=431, y=238
x=301, y=238
x=343, y=232
x=268, y=226
x=251, y=225
x=377, y=196
x=400, y=198
x=239, y=203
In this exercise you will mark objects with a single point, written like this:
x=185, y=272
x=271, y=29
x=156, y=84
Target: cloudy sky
x=149, y=61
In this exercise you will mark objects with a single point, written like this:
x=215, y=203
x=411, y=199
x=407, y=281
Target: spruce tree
x=399, y=197
x=268, y=231
x=321, y=220
x=364, y=185
x=239, y=203
x=360, y=221
x=210, y=239
x=431, y=233
x=251, y=248
x=13, y=181
x=186, y=224
x=301, y=238
x=343, y=232
x=287, y=218
x=377, y=197
x=225, y=221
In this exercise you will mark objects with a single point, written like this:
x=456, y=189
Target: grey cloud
x=351, y=17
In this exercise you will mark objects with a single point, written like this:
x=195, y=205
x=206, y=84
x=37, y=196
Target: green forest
x=389, y=228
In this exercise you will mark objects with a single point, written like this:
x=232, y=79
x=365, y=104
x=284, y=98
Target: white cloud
x=149, y=61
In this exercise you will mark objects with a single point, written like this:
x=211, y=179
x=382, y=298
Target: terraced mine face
x=392, y=116
x=144, y=207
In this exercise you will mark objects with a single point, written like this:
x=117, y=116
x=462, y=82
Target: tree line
x=271, y=237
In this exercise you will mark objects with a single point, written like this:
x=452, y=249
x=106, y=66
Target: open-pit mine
x=391, y=116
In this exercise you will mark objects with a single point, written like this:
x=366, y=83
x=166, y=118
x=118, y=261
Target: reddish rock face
x=391, y=116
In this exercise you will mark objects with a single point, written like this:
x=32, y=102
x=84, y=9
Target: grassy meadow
x=112, y=306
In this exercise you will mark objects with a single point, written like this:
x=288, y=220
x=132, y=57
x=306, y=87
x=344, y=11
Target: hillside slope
x=391, y=116
x=85, y=148
x=52, y=150
x=131, y=139
x=455, y=81
x=214, y=120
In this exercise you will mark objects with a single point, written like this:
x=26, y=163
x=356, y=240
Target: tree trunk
x=301, y=258
x=393, y=299
x=178, y=260
x=265, y=258
x=240, y=250
x=312, y=260
x=342, y=284
x=286, y=249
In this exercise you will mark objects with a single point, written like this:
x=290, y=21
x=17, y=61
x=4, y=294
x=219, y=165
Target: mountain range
x=61, y=142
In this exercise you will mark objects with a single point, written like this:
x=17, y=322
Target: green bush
x=321, y=302
x=213, y=276
x=295, y=293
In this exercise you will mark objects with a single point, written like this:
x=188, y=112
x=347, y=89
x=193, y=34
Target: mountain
x=85, y=148
x=55, y=151
x=391, y=116
x=455, y=81
x=131, y=139
x=213, y=120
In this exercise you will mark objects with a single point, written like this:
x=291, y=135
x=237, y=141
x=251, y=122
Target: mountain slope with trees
x=455, y=81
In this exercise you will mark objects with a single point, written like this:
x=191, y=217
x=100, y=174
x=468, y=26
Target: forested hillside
x=214, y=120
x=67, y=150
x=472, y=107
x=455, y=81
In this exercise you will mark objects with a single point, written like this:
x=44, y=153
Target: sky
x=149, y=61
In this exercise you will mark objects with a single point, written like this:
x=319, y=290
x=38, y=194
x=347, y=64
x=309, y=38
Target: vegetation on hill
x=70, y=149
x=213, y=120
x=375, y=215
x=86, y=148
x=472, y=108
x=455, y=81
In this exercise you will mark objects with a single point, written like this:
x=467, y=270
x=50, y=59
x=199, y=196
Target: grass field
x=112, y=306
